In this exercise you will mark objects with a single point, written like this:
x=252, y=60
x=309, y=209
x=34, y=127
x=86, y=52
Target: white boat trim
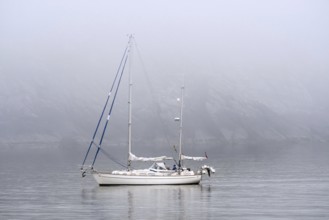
x=109, y=179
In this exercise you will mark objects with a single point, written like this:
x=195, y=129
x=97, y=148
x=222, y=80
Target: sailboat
x=158, y=173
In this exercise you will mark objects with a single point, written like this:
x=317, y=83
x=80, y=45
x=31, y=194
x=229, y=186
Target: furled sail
x=133, y=157
x=183, y=157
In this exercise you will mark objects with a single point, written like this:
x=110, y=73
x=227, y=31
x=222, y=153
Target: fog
x=256, y=72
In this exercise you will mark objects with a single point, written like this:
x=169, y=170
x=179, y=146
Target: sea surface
x=288, y=183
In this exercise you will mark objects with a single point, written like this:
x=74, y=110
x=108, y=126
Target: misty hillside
x=220, y=109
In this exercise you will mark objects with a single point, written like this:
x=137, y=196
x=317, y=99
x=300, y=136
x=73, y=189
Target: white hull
x=107, y=179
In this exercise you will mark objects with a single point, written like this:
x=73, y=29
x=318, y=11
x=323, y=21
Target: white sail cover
x=133, y=157
x=183, y=157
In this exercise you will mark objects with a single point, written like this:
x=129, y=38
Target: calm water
x=291, y=184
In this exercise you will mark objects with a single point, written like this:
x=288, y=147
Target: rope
x=158, y=109
x=111, y=158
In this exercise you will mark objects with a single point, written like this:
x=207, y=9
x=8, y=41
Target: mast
x=181, y=129
x=129, y=104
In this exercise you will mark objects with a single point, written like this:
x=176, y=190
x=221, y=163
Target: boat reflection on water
x=151, y=202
